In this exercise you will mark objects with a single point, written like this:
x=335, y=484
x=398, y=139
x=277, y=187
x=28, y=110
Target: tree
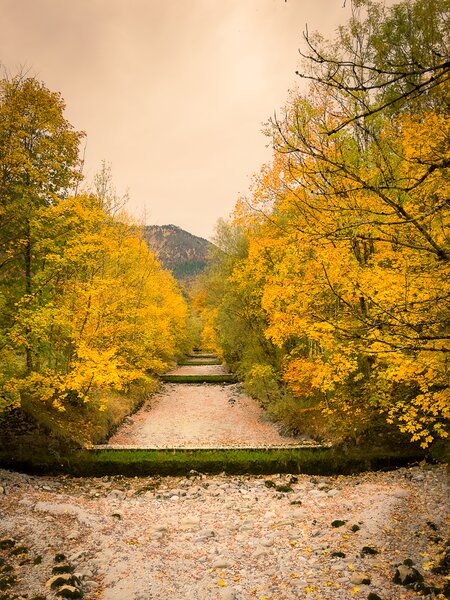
x=86, y=307
x=347, y=226
x=38, y=166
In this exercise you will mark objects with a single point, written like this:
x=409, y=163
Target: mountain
x=186, y=255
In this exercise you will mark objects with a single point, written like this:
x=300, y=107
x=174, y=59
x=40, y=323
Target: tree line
x=84, y=306
x=330, y=290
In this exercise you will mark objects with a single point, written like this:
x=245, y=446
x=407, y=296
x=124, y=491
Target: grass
x=199, y=378
x=135, y=463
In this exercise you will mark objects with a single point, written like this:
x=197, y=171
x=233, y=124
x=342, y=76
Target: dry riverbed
x=199, y=416
x=220, y=537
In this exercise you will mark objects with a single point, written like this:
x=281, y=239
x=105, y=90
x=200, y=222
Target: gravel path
x=200, y=416
x=199, y=370
x=225, y=538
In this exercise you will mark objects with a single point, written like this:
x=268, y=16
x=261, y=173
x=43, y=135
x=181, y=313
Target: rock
x=205, y=534
x=47, y=488
x=2, y=490
x=63, y=579
x=221, y=563
x=317, y=494
x=405, y=575
x=62, y=568
x=400, y=494
x=7, y=580
x=60, y=557
x=368, y=550
x=69, y=591
x=119, y=494
x=338, y=523
x=93, y=585
x=285, y=489
x=358, y=579
x=228, y=594
x=190, y=521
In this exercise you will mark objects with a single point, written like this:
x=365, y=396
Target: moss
x=313, y=461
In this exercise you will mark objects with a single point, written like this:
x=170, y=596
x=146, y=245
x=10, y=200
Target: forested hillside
x=183, y=253
x=330, y=291
x=85, y=308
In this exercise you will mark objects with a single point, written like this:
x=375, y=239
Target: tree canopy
x=345, y=280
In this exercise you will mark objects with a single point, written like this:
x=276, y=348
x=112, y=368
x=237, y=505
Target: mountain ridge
x=178, y=250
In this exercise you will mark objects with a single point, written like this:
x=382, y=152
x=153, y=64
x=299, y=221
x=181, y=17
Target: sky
x=172, y=93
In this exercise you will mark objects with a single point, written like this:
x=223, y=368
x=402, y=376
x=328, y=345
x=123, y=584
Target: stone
x=7, y=580
x=338, y=523
x=221, y=563
x=62, y=568
x=118, y=494
x=190, y=521
x=60, y=557
x=405, y=575
x=2, y=490
x=360, y=579
x=228, y=594
x=63, y=579
x=317, y=494
x=368, y=550
x=400, y=494
x=205, y=534
x=69, y=591
x=260, y=551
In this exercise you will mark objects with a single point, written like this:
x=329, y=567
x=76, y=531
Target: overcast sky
x=172, y=93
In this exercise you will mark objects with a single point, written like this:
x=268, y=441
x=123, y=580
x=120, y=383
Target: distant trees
x=347, y=229
x=84, y=305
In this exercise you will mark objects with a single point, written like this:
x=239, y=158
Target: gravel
x=225, y=537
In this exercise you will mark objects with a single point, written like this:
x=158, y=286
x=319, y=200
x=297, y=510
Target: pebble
x=221, y=563
x=229, y=547
x=358, y=579
x=228, y=594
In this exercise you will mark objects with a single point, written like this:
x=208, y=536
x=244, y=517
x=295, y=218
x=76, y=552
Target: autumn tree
x=38, y=167
x=86, y=307
x=348, y=225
